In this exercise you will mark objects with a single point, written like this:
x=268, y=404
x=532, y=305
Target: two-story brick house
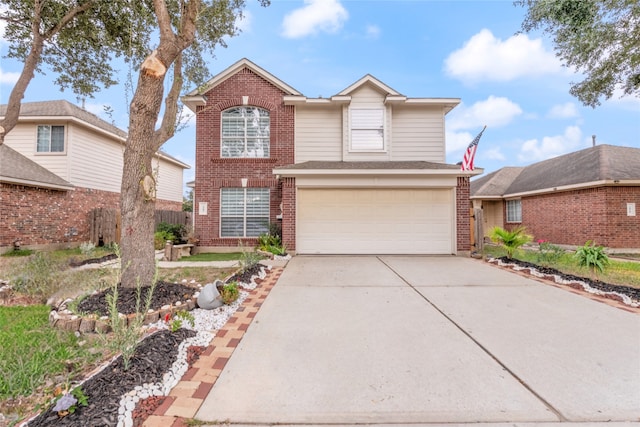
x=361, y=172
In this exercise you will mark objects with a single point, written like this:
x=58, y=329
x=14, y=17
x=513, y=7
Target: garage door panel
x=375, y=221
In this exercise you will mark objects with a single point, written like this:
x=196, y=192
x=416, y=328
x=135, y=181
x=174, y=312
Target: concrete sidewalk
x=413, y=340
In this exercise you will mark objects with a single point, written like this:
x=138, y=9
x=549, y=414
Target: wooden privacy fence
x=105, y=224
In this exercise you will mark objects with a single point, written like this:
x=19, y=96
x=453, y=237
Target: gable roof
x=369, y=79
x=64, y=110
x=17, y=169
x=233, y=69
x=592, y=166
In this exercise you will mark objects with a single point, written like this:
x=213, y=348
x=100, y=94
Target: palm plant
x=593, y=257
x=510, y=240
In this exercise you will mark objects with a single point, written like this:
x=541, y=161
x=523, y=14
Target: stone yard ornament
x=209, y=297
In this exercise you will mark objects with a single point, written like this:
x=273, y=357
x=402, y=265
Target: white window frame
x=246, y=138
x=514, y=210
x=245, y=216
x=367, y=127
x=48, y=148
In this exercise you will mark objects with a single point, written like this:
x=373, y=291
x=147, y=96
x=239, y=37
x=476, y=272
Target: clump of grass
x=214, y=256
x=38, y=277
x=32, y=352
x=18, y=253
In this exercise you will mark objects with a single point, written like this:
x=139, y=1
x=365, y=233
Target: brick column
x=289, y=213
x=463, y=221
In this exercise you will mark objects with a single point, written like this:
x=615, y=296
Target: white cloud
x=627, y=102
x=551, y=146
x=3, y=26
x=494, y=153
x=8, y=78
x=316, y=16
x=244, y=24
x=373, y=31
x=567, y=110
x=487, y=58
x=457, y=141
x=97, y=109
x=493, y=112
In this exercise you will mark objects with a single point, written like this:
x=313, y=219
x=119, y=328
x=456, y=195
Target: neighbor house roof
x=599, y=165
x=17, y=169
x=379, y=167
x=64, y=110
x=61, y=110
x=495, y=184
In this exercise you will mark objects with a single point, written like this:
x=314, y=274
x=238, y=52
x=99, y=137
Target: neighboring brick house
x=591, y=194
x=59, y=163
x=359, y=172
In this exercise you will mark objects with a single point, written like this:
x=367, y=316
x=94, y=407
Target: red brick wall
x=463, y=220
x=38, y=216
x=574, y=217
x=289, y=213
x=214, y=173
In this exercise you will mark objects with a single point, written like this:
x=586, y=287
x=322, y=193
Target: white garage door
x=375, y=221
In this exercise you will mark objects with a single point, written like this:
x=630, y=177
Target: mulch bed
x=633, y=293
x=165, y=293
x=153, y=357
x=245, y=276
x=100, y=260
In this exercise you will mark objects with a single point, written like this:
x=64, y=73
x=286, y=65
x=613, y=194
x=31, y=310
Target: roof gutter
x=584, y=185
x=363, y=172
x=29, y=183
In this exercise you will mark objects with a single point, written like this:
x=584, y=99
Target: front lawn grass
x=618, y=272
x=35, y=358
x=213, y=256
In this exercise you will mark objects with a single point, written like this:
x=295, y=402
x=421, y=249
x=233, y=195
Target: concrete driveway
x=423, y=340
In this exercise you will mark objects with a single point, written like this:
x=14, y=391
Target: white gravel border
x=558, y=279
x=206, y=324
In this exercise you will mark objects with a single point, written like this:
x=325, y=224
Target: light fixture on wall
x=244, y=182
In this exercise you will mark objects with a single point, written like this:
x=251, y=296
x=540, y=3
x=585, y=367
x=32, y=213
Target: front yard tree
x=76, y=39
x=186, y=28
x=600, y=38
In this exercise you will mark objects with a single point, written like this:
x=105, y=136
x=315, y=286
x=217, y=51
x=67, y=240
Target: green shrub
x=591, y=256
x=548, y=253
x=178, y=231
x=230, y=293
x=248, y=257
x=160, y=239
x=271, y=243
x=511, y=240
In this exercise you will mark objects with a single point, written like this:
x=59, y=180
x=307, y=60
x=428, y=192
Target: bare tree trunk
x=137, y=196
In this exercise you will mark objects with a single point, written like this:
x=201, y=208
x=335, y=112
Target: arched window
x=245, y=132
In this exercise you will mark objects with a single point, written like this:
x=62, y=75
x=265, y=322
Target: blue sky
x=512, y=83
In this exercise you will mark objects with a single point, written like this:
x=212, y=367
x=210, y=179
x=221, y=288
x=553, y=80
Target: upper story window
x=514, y=210
x=245, y=132
x=367, y=129
x=50, y=139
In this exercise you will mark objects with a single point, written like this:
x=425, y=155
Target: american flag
x=467, y=159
